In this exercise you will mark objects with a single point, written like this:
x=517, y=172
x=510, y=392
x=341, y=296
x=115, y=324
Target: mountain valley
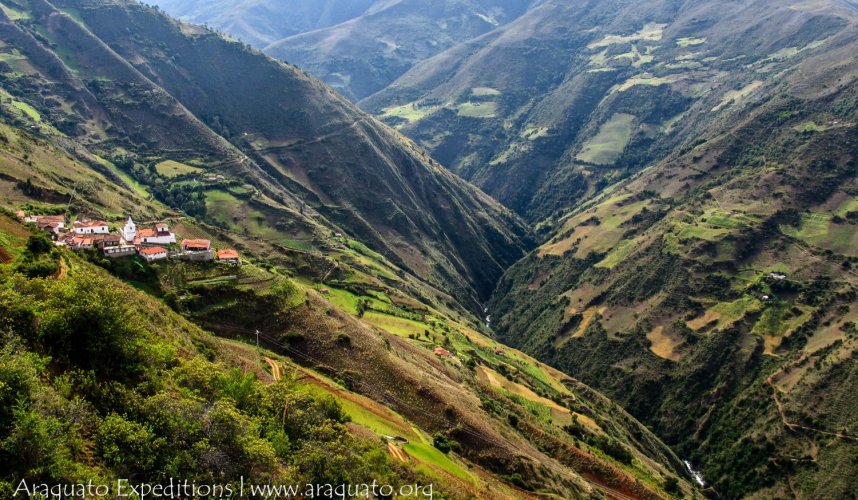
x=514, y=249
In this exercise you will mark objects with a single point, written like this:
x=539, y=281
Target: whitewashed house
x=158, y=235
x=90, y=227
x=153, y=253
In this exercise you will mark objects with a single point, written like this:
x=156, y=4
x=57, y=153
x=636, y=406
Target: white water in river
x=698, y=477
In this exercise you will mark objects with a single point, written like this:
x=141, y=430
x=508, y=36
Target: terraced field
x=170, y=169
x=608, y=144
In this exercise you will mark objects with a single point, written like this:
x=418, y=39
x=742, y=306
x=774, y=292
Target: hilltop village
x=154, y=242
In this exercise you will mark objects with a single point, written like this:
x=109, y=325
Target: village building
x=76, y=241
x=197, y=250
x=444, y=353
x=228, y=256
x=51, y=223
x=159, y=235
x=50, y=227
x=103, y=241
x=119, y=251
x=90, y=227
x=190, y=246
x=129, y=230
x=153, y=253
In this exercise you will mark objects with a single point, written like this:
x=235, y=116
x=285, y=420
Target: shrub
x=38, y=244
x=127, y=446
x=444, y=444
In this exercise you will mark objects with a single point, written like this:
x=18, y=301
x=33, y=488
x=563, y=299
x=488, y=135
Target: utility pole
x=68, y=206
x=257, y=340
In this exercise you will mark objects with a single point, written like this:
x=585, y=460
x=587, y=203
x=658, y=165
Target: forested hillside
x=100, y=383
x=714, y=294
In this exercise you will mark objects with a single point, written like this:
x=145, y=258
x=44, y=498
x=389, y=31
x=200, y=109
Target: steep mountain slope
x=83, y=132
x=359, y=333
x=261, y=22
x=139, y=89
x=575, y=95
x=714, y=294
x=103, y=382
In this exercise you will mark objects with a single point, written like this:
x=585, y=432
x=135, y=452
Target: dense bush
x=444, y=444
x=98, y=381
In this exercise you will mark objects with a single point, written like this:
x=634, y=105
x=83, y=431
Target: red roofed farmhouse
x=440, y=351
x=196, y=245
x=160, y=234
x=52, y=223
x=153, y=253
x=197, y=250
x=229, y=256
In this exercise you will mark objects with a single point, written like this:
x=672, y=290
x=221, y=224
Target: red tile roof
x=197, y=244
x=146, y=233
x=89, y=223
x=227, y=254
x=440, y=351
x=153, y=250
x=51, y=219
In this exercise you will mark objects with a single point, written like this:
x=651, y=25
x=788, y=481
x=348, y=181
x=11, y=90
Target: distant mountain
x=170, y=91
x=261, y=22
x=575, y=95
x=358, y=47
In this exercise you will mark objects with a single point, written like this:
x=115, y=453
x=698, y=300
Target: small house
x=190, y=246
x=153, y=253
x=228, y=256
x=78, y=241
x=160, y=234
x=103, y=241
x=90, y=227
x=50, y=223
x=197, y=250
x=444, y=353
x=49, y=227
x=119, y=250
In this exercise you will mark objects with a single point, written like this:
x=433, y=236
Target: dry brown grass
x=663, y=345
